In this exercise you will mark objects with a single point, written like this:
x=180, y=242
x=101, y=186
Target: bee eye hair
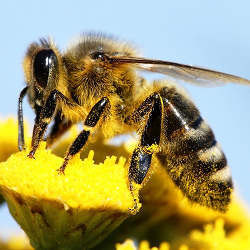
x=43, y=61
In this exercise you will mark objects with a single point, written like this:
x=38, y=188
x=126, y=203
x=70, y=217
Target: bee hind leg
x=149, y=143
x=92, y=119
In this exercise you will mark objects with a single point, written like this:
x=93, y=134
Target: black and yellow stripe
x=191, y=154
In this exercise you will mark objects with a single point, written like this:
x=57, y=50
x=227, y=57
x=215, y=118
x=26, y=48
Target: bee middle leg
x=150, y=139
x=59, y=127
x=90, y=122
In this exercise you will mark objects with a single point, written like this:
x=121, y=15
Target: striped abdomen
x=190, y=153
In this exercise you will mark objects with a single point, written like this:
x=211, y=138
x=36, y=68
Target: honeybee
x=96, y=81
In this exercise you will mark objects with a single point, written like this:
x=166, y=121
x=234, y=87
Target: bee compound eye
x=98, y=55
x=43, y=61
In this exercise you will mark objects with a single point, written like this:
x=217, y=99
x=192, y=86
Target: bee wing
x=192, y=74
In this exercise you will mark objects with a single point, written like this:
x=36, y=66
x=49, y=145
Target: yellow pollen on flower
x=71, y=211
x=84, y=185
x=144, y=245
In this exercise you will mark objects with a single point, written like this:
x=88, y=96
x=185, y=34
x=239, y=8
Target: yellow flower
x=80, y=209
x=8, y=141
x=71, y=211
x=144, y=245
x=15, y=243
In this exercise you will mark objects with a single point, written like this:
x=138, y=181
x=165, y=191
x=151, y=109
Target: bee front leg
x=44, y=118
x=93, y=117
x=21, y=143
x=149, y=143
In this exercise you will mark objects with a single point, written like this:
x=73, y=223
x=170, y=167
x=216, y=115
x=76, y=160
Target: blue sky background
x=213, y=34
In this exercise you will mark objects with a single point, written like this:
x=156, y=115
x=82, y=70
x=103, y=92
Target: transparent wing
x=192, y=74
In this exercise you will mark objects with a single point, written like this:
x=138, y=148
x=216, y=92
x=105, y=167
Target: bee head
x=41, y=70
x=41, y=66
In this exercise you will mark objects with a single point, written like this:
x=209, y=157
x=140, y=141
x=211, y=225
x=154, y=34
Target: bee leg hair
x=90, y=122
x=149, y=143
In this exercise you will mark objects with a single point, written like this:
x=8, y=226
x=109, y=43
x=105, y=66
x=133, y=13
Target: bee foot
x=31, y=154
x=60, y=171
x=135, y=209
